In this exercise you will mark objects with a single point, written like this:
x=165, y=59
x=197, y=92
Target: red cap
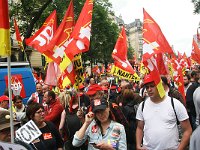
x=104, y=88
x=4, y=98
x=93, y=89
x=81, y=86
x=148, y=78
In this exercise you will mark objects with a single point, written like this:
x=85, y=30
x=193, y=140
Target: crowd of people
x=108, y=114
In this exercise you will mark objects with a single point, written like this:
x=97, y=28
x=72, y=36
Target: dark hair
x=165, y=80
x=52, y=94
x=188, y=76
x=111, y=117
x=31, y=110
x=193, y=73
x=16, y=97
x=129, y=95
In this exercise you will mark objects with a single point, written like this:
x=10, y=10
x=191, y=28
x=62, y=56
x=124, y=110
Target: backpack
x=126, y=116
x=172, y=103
x=129, y=111
x=71, y=128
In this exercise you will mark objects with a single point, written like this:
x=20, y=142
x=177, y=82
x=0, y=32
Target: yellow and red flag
x=80, y=40
x=60, y=40
x=18, y=37
x=55, y=49
x=153, y=38
x=154, y=42
x=44, y=35
x=5, y=47
x=122, y=66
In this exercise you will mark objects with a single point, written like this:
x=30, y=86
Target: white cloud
x=175, y=18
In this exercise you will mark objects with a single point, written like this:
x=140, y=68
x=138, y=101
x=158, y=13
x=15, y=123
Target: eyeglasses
x=40, y=112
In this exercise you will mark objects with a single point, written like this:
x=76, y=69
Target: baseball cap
x=81, y=86
x=148, y=78
x=4, y=98
x=93, y=89
x=99, y=104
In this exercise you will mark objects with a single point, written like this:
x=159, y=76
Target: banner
x=5, y=47
x=124, y=74
x=78, y=67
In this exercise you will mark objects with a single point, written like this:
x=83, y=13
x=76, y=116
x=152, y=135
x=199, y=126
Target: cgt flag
x=5, y=47
x=80, y=40
x=55, y=49
x=44, y=35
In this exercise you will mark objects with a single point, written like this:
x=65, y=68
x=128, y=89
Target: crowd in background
x=109, y=113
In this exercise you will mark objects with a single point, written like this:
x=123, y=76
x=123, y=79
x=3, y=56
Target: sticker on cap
x=97, y=102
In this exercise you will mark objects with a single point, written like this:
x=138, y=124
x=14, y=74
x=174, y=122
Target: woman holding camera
x=70, y=122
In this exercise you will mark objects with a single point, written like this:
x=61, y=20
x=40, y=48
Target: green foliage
x=31, y=14
x=196, y=6
x=104, y=33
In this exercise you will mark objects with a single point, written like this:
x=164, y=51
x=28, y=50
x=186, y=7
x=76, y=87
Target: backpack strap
x=172, y=102
x=143, y=105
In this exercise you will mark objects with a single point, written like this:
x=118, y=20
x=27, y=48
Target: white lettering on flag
x=45, y=36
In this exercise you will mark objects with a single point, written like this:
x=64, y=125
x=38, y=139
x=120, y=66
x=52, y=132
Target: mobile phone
x=92, y=143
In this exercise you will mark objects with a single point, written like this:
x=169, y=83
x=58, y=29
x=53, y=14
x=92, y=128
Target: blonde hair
x=64, y=98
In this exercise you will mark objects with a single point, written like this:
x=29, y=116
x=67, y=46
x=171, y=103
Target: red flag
x=178, y=76
x=18, y=37
x=80, y=41
x=163, y=70
x=102, y=69
x=109, y=68
x=5, y=47
x=96, y=70
x=119, y=54
x=52, y=74
x=151, y=65
x=153, y=38
x=121, y=63
x=153, y=42
x=55, y=49
x=43, y=36
x=195, y=55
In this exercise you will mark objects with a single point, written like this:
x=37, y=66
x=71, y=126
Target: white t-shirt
x=160, y=126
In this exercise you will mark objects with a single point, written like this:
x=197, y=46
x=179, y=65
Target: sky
x=175, y=18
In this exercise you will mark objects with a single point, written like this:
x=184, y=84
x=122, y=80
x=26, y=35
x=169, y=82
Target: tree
x=104, y=34
x=32, y=14
x=196, y=6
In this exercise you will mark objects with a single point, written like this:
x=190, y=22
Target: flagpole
x=10, y=100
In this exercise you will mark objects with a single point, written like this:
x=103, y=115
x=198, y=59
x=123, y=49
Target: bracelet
x=114, y=145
